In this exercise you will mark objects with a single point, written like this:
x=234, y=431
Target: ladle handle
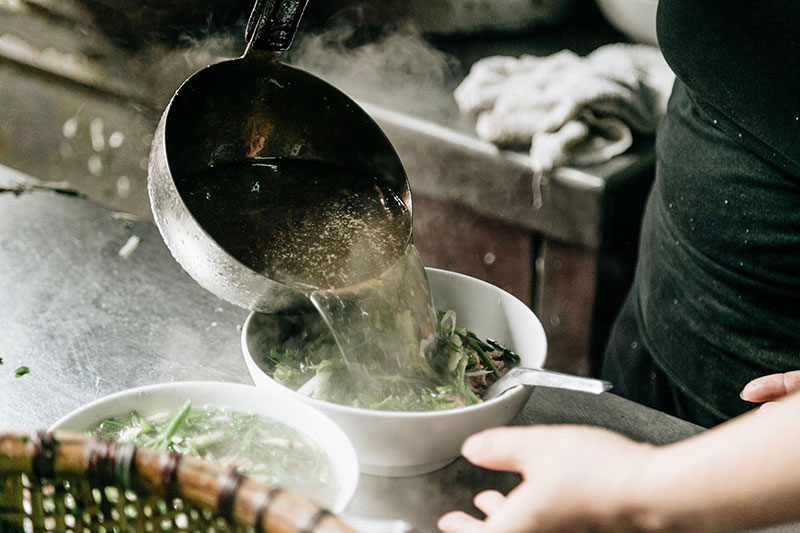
x=273, y=23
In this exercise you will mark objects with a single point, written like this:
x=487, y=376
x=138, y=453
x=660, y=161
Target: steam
x=399, y=70
x=396, y=68
x=167, y=67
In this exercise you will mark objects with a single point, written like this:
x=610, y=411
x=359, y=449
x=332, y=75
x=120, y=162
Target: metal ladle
x=249, y=107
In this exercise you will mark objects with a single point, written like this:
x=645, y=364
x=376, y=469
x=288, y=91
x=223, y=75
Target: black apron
x=715, y=300
x=716, y=297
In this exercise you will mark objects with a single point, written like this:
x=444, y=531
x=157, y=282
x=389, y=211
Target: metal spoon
x=522, y=375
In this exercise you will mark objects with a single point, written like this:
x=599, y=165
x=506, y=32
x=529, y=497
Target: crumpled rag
x=570, y=110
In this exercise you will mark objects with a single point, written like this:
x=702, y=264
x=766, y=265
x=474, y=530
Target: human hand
x=771, y=387
x=574, y=479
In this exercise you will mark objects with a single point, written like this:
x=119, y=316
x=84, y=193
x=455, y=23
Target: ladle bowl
x=256, y=106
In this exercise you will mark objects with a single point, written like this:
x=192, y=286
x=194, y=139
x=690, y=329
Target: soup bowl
x=395, y=443
x=272, y=405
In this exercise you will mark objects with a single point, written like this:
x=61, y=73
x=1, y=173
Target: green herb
x=21, y=371
x=255, y=445
x=486, y=359
x=1, y=360
x=508, y=356
x=164, y=441
x=307, y=359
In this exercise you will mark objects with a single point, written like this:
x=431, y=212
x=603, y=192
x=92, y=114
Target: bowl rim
x=348, y=474
x=416, y=415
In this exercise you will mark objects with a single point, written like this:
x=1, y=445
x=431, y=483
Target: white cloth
x=570, y=110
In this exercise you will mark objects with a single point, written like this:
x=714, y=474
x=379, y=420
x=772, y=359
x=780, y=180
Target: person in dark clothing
x=715, y=302
x=714, y=310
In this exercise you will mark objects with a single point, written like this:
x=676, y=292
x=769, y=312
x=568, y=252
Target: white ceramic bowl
x=390, y=443
x=634, y=18
x=167, y=396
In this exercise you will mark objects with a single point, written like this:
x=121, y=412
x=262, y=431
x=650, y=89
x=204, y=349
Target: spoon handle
x=548, y=378
x=538, y=377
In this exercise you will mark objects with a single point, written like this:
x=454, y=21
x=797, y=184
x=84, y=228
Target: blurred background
x=83, y=83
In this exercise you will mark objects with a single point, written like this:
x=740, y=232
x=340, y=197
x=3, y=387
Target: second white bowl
x=152, y=399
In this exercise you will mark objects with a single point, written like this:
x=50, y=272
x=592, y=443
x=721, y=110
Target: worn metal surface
x=63, y=131
x=88, y=322
x=71, y=48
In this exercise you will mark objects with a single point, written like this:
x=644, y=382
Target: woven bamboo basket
x=70, y=482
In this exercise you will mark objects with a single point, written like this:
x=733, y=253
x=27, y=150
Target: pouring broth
x=342, y=239
x=299, y=352
x=338, y=236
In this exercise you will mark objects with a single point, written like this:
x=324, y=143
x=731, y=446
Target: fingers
x=768, y=407
x=521, y=512
x=498, y=448
x=489, y=501
x=500, y=517
x=564, y=469
x=459, y=522
x=771, y=387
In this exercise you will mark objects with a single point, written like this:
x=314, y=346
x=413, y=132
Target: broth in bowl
x=305, y=357
x=406, y=443
x=263, y=433
x=255, y=445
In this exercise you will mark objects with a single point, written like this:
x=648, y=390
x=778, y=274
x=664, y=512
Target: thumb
x=503, y=448
x=771, y=387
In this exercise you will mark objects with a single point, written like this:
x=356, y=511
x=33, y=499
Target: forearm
x=740, y=475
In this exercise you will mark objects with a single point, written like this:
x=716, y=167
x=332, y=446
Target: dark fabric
x=716, y=297
x=630, y=367
x=743, y=58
